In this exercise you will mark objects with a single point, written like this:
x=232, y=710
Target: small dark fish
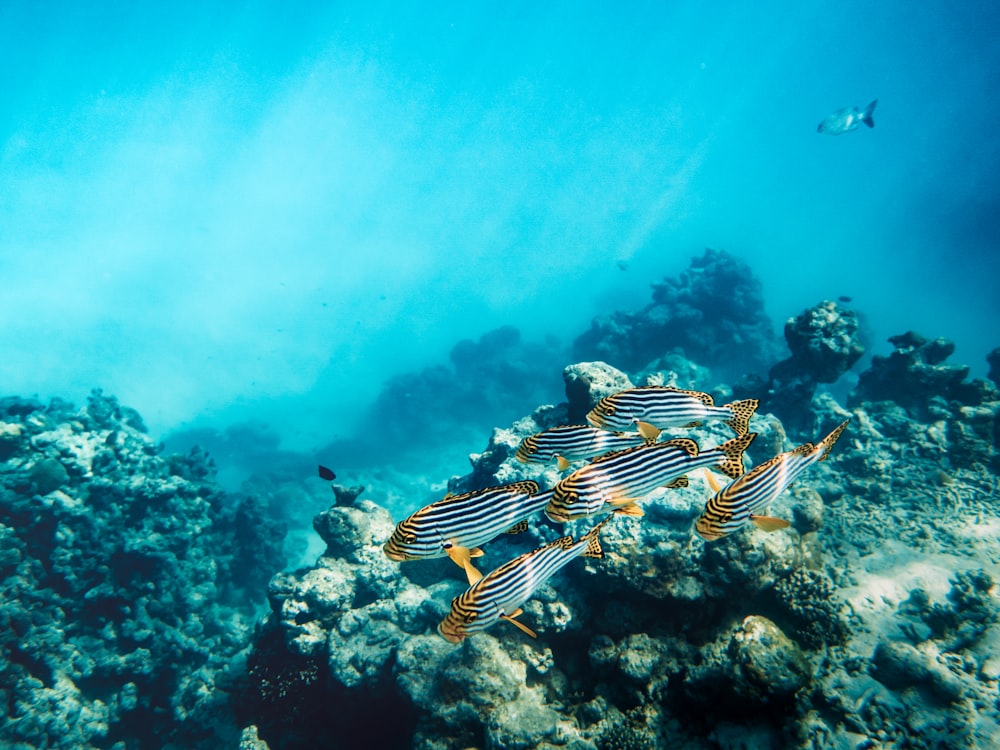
x=843, y=298
x=327, y=474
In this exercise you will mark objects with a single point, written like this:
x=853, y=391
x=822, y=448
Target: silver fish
x=847, y=119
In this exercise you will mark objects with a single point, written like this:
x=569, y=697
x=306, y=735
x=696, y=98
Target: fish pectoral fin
x=648, y=431
x=562, y=463
x=769, y=523
x=631, y=509
x=520, y=626
x=713, y=483
x=518, y=527
x=472, y=574
x=462, y=557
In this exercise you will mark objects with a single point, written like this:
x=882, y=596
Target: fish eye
x=609, y=410
x=409, y=538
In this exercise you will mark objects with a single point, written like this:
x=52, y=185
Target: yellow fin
x=630, y=510
x=518, y=527
x=647, y=430
x=521, y=626
x=713, y=483
x=562, y=463
x=769, y=523
x=461, y=557
x=472, y=574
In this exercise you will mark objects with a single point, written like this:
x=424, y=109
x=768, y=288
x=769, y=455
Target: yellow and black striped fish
x=457, y=525
x=744, y=499
x=650, y=408
x=574, y=443
x=499, y=594
x=612, y=483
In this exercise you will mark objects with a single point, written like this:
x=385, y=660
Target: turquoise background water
x=217, y=211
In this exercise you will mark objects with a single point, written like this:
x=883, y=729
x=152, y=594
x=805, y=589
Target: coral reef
x=130, y=582
x=487, y=381
x=773, y=640
x=713, y=314
x=825, y=343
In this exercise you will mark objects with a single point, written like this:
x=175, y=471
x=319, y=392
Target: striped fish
x=574, y=443
x=499, y=595
x=650, y=408
x=457, y=525
x=743, y=500
x=612, y=483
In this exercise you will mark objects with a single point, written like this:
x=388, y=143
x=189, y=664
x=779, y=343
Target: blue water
x=227, y=211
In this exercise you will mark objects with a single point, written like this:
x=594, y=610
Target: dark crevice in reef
x=297, y=706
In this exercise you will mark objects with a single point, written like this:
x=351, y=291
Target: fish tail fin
x=594, y=542
x=866, y=116
x=742, y=411
x=732, y=464
x=827, y=443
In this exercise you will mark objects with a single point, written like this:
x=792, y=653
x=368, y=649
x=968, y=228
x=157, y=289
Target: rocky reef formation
x=825, y=342
x=712, y=314
x=838, y=632
x=486, y=382
x=130, y=583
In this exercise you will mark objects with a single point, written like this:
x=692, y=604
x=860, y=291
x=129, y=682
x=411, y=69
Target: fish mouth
x=451, y=637
x=394, y=554
x=558, y=516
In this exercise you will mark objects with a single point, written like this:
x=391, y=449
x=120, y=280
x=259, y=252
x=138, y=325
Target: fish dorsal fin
x=616, y=454
x=830, y=439
x=676, y=484
x=562, y=463
x=631, y=509
x=687, y=445
x=713, y=483
x=705, y=398
x=648, y=431
x=518, y=527
x=519, y=625
x=524, y=487
x=769, y=523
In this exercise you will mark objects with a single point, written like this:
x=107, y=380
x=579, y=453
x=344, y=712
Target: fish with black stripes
x=575, y=443
x=613, y=483
x=650, y=408
x=457, y=525
x=500, y=594
x=745, y=499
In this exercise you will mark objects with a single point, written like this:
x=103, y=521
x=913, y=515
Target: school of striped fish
x=627, y=462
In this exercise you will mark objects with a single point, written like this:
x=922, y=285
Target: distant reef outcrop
x=712, y=314
x=130, y=583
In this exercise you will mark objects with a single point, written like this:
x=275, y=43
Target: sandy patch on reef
x=884, y=579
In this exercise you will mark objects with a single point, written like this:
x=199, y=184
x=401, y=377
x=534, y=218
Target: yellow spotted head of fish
x=467, y=617
x=603, y=412
x=401, y=544
x=527, y=450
